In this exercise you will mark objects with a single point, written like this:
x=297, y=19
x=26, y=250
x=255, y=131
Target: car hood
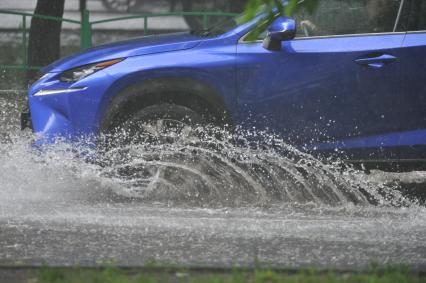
x=133, y=47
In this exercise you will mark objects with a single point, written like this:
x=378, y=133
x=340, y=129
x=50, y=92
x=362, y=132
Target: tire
x=121, y=5
x=163, y=123
x=196, y=23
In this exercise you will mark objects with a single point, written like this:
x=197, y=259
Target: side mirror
x=282, y=28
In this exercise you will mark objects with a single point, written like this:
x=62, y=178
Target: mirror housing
x=281, y=29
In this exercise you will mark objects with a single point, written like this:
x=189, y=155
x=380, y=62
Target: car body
x=358, y=95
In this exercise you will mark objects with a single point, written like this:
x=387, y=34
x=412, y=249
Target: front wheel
x=162, y=123
x=150, y=155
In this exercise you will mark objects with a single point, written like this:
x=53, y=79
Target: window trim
x=397, y=21
x=416, y=31
x=242, y=39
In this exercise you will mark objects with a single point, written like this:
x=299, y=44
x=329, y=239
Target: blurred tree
x=272, y=7
x=255, y=6
x=44, y=38
x=83, y=5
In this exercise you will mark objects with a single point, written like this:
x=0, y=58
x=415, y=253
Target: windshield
x=221, y=27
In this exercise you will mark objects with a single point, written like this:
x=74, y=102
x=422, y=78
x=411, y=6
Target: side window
x=344, y=17
x=416, y=15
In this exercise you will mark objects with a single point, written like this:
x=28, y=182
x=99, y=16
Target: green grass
x=112, y=275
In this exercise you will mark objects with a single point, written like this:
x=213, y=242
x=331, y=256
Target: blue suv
x=349, y=79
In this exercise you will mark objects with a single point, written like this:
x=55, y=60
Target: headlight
x=79, y=73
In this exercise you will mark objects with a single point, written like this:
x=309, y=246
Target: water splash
x=212, y=168
x=223, y=168
x=208, y=199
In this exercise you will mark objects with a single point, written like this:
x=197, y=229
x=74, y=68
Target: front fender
x=211, y=77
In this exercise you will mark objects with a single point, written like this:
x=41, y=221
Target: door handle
x=376, y=61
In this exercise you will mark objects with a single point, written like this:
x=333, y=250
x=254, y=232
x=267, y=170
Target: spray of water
x=210, y=196
x=203, y=167
x=218, y=169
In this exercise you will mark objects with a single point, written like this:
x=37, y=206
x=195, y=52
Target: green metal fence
x=85, y=26
x=24, y=33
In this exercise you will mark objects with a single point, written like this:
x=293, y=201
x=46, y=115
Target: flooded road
x=214, y=203
x=282, y=237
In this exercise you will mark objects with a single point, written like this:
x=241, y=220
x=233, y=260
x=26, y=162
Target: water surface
x=198, y=202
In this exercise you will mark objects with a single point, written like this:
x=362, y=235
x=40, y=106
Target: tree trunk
x=44, y=38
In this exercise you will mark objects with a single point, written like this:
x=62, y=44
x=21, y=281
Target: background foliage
x=271, y=7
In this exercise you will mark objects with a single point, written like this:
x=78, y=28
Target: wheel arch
x=187, y=92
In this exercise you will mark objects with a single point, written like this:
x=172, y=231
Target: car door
x=413, y=60
x=336, y=85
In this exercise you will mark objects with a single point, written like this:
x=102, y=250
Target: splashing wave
x=211, y=168
x=227, y=171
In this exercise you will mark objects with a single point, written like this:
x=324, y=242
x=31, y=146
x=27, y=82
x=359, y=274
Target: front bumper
x=64, y=110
